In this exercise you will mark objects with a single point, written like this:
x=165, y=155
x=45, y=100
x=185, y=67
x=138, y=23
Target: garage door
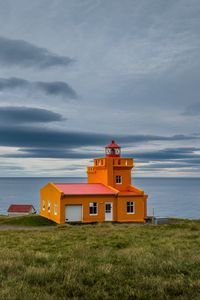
x=73, y=213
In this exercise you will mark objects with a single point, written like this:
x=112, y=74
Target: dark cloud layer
x=48, y=138
x=21, y=114
x=40, y=137
x=55, y=88
x=24, y=54
x=170, y=158
x=44, y=142
x=167, y=154
x=179, y=159
x=148, y=138
x=39, y=142
x=53, y=153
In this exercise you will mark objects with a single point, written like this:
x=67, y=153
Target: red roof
x=20, y=208
x=84, y=189
x=113, y=145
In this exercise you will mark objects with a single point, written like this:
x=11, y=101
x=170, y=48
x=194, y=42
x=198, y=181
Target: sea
x=168, y=197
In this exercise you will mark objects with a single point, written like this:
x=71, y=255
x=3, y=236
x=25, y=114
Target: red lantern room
x=113, y=150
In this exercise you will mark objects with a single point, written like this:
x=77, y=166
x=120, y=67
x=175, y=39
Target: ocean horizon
x=177, y=197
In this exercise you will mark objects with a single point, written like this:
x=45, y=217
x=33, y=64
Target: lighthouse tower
x=112, y=170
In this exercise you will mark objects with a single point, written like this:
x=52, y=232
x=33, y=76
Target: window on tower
x=112, y=151
x=118, y=179
x=117, y=151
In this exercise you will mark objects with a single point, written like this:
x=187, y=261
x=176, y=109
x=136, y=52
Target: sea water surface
x=170, y=197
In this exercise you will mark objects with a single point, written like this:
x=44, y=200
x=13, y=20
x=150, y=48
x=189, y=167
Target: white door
x=73, y=213
x=108, y=211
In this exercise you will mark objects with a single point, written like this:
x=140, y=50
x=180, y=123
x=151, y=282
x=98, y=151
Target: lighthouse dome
x=113, y=150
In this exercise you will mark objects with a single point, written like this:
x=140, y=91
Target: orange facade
x=121, y=202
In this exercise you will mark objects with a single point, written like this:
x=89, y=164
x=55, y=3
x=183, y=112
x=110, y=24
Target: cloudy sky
x=75, y=74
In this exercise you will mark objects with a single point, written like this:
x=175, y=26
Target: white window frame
x=130, y=205
x=49, y=206
x=43, y=205
x=118, y=179
x=93, y=205
x=55, y=208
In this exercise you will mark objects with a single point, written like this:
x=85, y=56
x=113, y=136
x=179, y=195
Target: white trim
x=117, y=151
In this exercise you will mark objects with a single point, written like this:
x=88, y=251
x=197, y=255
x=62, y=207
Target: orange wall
x=126, y=179
x=50, y=193
x=105, y=170
x=98, y=177
x=119, y=207
x=140, y=209
x=85, y=200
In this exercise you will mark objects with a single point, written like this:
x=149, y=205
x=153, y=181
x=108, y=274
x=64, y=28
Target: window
x=49, y=206
x=130, y=207
x=55, y=208
x=43, y=204
x=118, y=179
x=93, y=208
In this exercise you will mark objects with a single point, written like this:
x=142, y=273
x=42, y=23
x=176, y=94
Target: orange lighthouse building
x=108, y=195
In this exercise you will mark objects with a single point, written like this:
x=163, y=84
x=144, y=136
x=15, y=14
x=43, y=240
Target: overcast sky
x=75, y=74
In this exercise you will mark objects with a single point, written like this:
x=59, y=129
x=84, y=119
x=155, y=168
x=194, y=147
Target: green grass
x=31, y=220
x=102, y=261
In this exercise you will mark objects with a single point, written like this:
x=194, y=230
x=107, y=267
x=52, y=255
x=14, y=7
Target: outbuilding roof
x=85, y=189
x=21, y=208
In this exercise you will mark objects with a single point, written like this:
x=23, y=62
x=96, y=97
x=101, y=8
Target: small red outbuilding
x=21, y=209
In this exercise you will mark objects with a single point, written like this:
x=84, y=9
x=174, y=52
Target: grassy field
x=102, y=261
x=31, y=220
